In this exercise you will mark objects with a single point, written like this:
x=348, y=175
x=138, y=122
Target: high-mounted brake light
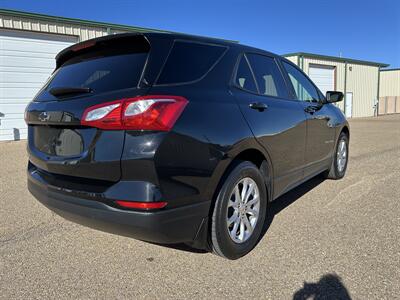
x=83, y=45
x=141, y=205
x=153, y=112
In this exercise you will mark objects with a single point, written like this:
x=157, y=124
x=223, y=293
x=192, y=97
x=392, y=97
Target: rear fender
x=225, y=165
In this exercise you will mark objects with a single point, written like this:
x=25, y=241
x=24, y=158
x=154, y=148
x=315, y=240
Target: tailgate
x=87, y=75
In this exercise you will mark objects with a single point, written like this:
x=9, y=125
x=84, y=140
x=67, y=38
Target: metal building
x=28, y=45
x=357, y=79
x=389, y=92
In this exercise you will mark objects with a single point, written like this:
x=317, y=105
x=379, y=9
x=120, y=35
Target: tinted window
x=244, y=78
x=103, y=67
x=100, y=72
x=189, y=61
x=305, y=90
x=268, y=76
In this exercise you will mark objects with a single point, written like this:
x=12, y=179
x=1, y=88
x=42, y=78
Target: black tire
x=221, y=242
x=334, y=172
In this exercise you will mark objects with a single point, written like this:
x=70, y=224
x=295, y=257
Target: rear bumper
x=167, y=226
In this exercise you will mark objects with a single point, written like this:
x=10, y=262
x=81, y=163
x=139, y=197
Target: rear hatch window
x=101, y=68
x=189, y=61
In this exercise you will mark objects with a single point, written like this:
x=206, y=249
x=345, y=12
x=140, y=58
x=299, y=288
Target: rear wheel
x=340, y=159
x=239, y=212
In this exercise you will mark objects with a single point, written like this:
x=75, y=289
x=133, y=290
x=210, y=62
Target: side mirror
x=333, y=96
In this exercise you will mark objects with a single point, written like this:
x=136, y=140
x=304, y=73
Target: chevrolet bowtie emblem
x=44, y=116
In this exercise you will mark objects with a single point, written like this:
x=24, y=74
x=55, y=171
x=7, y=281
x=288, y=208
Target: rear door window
x=268, y=76
x=189, y=61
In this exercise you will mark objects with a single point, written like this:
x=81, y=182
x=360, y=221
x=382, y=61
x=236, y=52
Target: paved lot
x=330, y=238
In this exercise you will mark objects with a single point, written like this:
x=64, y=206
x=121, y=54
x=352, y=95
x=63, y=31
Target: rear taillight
x=104, y=116
x=152, y=112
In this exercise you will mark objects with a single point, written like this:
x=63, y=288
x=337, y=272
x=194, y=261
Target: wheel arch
x=346, y=130
x=254, y=154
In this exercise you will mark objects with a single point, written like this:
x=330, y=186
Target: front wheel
x=340, y=159
x=239, y=212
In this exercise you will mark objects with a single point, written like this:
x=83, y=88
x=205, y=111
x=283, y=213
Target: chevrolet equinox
x=171, y=138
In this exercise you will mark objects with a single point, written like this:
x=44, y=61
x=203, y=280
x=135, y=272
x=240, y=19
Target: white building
x=28, y=45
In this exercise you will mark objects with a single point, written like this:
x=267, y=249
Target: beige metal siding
x=389, y=105
x=293, y=59
x=389, y=91
x=362, y=81
x=389, y=83
x=83, y=32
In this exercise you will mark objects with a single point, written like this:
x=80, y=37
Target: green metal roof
x=23, y=14
x=107, y=26
x=336, y=58
x=394, y=69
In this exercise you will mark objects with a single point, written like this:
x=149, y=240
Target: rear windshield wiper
x=62, y=91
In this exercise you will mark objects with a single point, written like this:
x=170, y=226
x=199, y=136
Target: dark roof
x=107, y=26
x=336, y=58
x=146, y=37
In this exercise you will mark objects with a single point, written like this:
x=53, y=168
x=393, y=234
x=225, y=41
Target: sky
x=365, y=30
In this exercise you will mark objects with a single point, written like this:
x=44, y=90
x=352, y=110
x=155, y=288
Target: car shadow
x=275, y=208
x=287, y=199
x=329, y=286
x=183, y=247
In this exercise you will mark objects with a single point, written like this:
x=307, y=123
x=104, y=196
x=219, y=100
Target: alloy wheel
x=243, y=210
x=341, y=155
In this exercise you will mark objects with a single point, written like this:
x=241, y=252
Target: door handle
x=258, y=106
x=322, y=117
x=310, y=109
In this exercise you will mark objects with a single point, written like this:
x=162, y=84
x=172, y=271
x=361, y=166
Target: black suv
x=172, y=138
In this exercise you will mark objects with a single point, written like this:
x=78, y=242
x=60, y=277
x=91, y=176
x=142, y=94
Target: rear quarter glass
x=189, y=61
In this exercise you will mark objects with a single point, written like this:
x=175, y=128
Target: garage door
x=323, y=77
x=26, y=61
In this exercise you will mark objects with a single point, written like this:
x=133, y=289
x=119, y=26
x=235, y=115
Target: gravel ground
x=338, y=239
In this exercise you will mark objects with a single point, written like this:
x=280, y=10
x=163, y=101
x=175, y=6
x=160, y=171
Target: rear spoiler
x=96, y=43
